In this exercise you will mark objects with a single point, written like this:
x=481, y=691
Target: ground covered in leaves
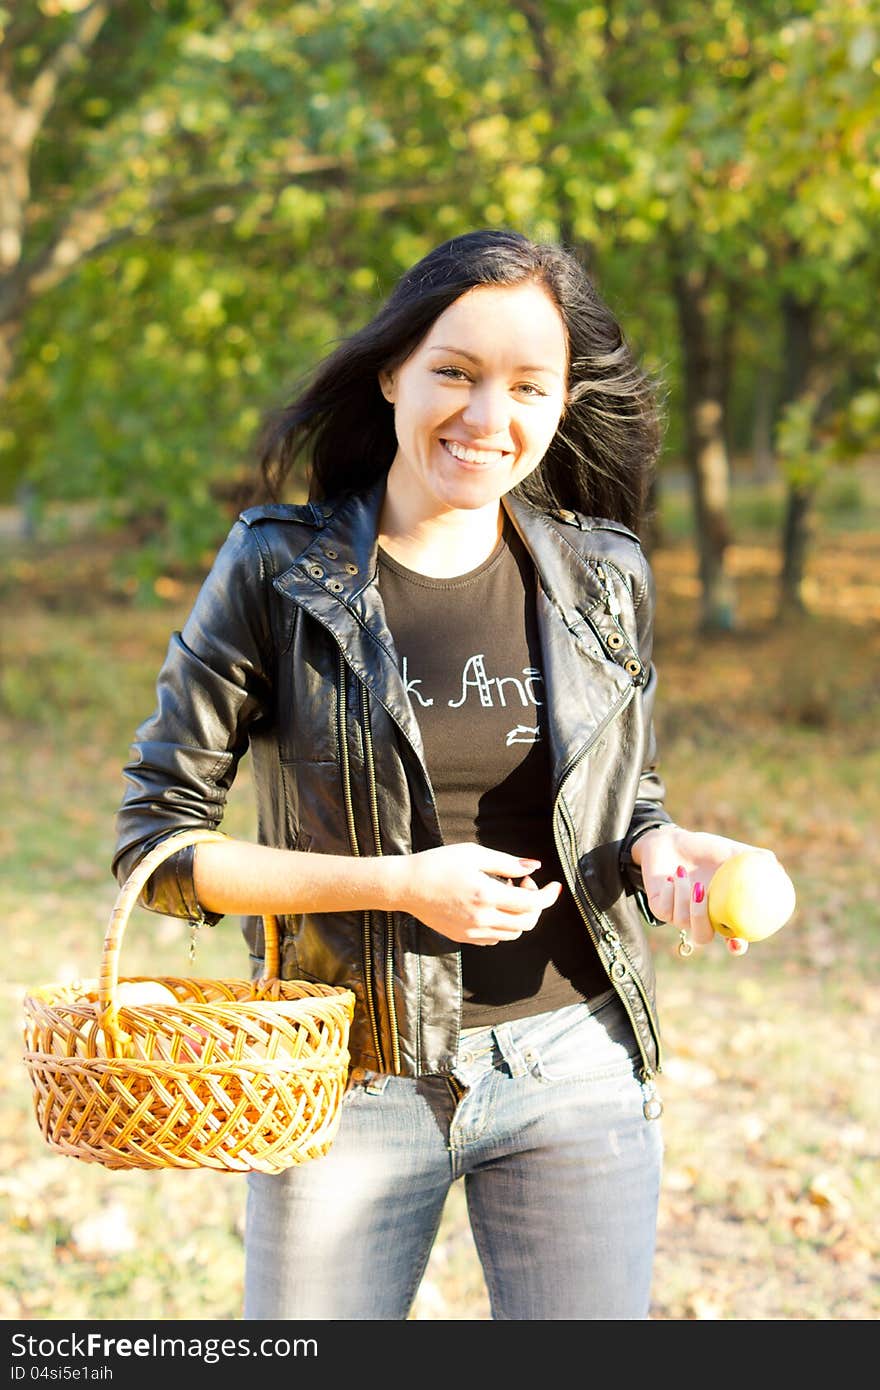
x=770, y=1201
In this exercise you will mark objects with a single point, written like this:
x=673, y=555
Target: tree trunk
x=14, y=194
x=763, y=455
x=9, y=333
x=796, y=533
x=726, y=364
x=706, y=447
x=798, y=325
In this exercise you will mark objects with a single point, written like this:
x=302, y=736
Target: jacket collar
x=567, y=576
x=342, y=559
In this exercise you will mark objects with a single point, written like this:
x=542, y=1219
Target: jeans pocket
x=587, y=1046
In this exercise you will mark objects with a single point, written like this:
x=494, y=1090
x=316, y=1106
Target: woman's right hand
x=465, y=893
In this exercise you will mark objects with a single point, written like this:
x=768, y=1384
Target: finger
x=501, y=865
x=499, y=924
x=493, y=936
x=529, y=884
x=682, y=890
x=701, y=928
x=737, y=946
x=529, y=901
x=661, y=899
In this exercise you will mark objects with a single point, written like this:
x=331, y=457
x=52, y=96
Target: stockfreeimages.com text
x=207, y=1349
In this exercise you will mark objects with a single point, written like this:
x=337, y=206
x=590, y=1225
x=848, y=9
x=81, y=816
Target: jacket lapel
x=586, y=687
x=334, y=579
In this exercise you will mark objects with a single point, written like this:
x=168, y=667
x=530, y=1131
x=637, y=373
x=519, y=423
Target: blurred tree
x=736, y=145
x=645, y=106
x=205, y=197
x=198, y=197
x=680, y=77
x=814, y=151
x=129, y=128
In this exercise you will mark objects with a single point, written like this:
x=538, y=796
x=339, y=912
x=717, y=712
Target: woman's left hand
x=677, y=866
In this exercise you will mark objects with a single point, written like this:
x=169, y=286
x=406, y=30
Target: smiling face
x=478, y=402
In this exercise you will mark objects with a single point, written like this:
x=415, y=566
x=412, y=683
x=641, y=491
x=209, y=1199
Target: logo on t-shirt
x=524, y=733
x=491, y=692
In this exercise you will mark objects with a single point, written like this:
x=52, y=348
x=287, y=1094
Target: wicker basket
x=235, y=1075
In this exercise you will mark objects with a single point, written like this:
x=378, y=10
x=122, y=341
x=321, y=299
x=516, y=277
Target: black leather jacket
x=286, y=651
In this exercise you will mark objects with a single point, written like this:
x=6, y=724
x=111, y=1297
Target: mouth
x=481, y=458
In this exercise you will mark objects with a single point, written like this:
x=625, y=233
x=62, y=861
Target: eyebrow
x=447, y=347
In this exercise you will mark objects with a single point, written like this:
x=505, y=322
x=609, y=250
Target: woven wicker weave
x=235, y=1075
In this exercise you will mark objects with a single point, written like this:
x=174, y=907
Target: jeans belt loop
x=509, y=1050
x=375, y=1083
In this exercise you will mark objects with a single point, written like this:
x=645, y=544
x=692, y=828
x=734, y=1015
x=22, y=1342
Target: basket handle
x=126, y=900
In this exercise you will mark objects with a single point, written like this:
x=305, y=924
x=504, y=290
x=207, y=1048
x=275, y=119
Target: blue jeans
x=561, y=1171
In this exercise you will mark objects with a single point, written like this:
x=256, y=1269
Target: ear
x=386, y=384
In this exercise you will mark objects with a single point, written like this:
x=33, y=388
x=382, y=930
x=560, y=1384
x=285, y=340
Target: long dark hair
x=603, y=454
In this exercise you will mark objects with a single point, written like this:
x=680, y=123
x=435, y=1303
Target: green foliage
x=237, y=187
x=809, y=446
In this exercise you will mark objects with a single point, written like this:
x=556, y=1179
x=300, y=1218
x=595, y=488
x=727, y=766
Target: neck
x=442, y=544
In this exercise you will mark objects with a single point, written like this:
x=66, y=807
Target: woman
x=442, y=667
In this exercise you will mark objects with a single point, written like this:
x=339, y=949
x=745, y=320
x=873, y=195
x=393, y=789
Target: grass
x=769, y=1206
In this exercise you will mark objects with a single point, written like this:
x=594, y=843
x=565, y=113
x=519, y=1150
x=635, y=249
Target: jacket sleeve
x=649, y=811
x=214, y=685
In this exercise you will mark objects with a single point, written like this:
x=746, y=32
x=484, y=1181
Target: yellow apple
x=750, y=896
x=133, y=993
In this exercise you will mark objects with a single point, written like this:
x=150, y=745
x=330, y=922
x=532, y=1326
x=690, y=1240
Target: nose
x=487, y=412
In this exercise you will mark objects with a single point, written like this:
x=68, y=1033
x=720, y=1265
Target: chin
x=471, y=503
x=473, y=492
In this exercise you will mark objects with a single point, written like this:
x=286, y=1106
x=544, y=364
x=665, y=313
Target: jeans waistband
x=509, y=1042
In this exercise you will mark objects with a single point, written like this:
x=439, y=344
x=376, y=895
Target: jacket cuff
x=631, y=872
x=170, y=889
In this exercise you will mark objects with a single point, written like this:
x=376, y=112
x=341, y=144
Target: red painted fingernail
x=669, y=878
x=734, y=945
x=699, y=892
x=681, y=871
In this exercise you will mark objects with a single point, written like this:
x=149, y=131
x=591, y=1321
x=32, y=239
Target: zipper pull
x=611, y=600
x=652, y=1105
x=195, y=926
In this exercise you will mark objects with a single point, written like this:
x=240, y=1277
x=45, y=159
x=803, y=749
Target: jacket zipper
x=377, y=841
x=652, y=1105
x=619, y=963
x=341, y=721
x=612, y=602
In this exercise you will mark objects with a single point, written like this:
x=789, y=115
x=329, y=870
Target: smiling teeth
x=473, y=455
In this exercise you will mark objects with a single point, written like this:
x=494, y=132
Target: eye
x=531, y=389
x=453, y=373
